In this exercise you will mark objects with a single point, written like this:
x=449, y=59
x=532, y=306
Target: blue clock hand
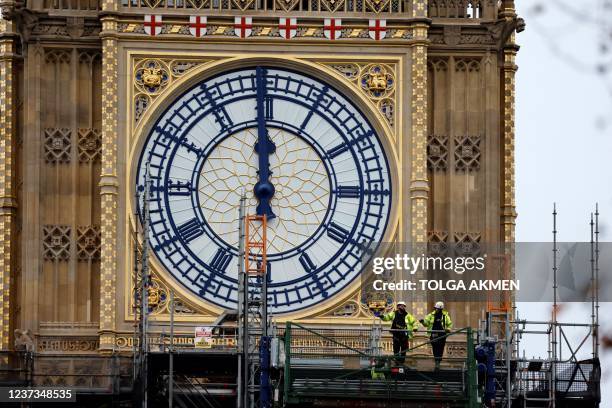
x=264, y=189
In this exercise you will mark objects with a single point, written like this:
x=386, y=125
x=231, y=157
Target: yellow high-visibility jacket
x=411, y=323
x=447, y=323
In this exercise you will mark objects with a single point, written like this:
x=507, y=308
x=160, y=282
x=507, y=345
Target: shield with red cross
x=377, y=29
x=197, y=26
x=243, y=26
x=287, y=27
x=332, y=28
x=152, y=24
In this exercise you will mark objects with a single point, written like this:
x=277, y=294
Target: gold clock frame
x=210, y=64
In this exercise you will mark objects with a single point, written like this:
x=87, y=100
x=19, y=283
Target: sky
x=563, y=139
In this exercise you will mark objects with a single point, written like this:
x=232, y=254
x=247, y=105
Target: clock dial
x=332, y=188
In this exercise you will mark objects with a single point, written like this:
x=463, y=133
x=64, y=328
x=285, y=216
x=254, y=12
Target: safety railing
x=345, y=364
x=212, y=338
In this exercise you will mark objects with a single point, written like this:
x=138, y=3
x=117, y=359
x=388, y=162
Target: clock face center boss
x=303, y=153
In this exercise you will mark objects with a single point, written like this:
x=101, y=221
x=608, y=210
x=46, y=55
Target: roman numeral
x=337, y=233
x=269, y=107
x=179, y=188
x=348, y=191
x=338, y=150
x=190, y=230
x=221, y=260
x=306, y=262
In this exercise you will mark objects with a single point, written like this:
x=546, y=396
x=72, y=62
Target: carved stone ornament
x=56, y=242
x=467, y=153
x=57, y=145
x=151, y=76
x=88, y=243
x=90, y=145
x=467, y=244
x=24, y=340
x=376, y=81
x=158, y=298
x=437, y=243
x=452, y=35
x=437, y=152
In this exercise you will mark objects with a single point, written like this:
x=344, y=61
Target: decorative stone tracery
x=152, y=76
x=90, y=145
x=377, y=81
x=57, y=145
x=437, y=152
x=88, y=243
x=467, y=153
x=467, y=244
x=56, y=242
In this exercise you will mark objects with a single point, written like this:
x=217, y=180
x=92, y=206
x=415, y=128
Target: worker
x=439, y=324
x=402, y=328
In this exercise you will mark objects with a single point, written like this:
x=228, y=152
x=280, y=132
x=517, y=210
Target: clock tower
x=347, y=123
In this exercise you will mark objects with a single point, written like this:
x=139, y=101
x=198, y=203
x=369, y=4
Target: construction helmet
x=401, y=303
x=439, y=305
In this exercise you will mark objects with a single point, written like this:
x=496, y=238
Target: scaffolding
x=253, y=319
x=495, y=370
x=560, y=379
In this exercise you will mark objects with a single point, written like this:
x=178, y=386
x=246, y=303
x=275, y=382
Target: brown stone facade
x=73, y=111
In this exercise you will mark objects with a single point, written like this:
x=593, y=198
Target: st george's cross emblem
x=377, y=29
x=287, y=27
x=197, y=26
x=332, y=28
x=152, y=24
x=243, y=26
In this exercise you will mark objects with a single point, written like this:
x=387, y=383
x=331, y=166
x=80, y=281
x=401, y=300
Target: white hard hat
x=401, y=303
x=439, y=305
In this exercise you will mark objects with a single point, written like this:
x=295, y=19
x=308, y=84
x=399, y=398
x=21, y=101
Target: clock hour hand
x=264, y=189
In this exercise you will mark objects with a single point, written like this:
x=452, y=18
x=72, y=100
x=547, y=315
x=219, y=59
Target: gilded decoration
x=314, y=6
x=108, y=181
x=376, y=81
x=419, y=184
x=7, y=174
x=158, y=294
x=159, y=299
x=305, y=30
x=153, y=76
x=508, y=134
x=385, y=99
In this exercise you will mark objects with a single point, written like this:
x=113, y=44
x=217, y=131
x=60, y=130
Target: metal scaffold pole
x=171, y=354
x=241, y=401
x=144, y=292
x=553, y=328
x=596, y=287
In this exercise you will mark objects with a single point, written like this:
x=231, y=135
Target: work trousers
x=438, y=341
x=400, y=345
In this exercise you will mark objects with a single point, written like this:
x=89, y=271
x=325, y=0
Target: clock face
x=331, y=178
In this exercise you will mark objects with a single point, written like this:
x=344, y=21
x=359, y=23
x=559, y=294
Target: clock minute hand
x=264, y=189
